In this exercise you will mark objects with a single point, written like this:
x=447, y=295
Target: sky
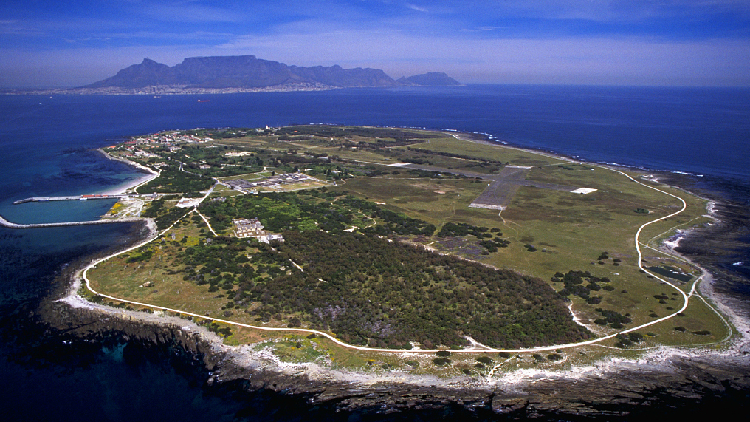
x=62, y=43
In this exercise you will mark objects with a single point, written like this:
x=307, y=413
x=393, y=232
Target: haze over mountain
x=429, y=79
x=249, y=72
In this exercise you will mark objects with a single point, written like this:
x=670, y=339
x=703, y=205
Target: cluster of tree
x=612, y=318
x=163, y=216
x=389, y=222
x=574, y=285
x=277, y=211
x=464, y=229
x=313, y=210
x=604, y=256
x=369, y=291
x=172, y=180
x=225, y=331
x=143, y=254
x=492, y=245
x=627, y=340
x=484, y=235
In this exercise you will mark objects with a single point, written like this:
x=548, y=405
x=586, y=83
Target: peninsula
x=403, y=257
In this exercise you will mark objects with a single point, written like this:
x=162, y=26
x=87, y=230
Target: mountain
x=429, y=79
x=249, y=72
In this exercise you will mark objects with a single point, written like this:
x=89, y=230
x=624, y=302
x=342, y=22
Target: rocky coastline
x=662, y=379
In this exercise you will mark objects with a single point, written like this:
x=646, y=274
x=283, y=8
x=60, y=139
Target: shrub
x=485, y=360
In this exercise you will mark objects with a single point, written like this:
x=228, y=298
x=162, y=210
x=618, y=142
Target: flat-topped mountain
x=249, y=72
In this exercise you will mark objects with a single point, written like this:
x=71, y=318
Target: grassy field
x=549, y=231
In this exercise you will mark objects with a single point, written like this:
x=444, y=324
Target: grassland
x=548, y=232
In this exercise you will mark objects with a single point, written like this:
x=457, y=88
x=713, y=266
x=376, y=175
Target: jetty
x=8, y=224
x=68, y=198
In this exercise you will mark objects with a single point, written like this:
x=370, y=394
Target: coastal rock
x=682, y=380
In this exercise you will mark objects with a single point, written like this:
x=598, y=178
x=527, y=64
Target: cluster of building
x=254, y=228
x=238, y=154
x=171, y=138
x=273, y=182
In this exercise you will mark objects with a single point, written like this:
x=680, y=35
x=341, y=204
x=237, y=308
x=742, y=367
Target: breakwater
x=10, y=225
x=67, y=198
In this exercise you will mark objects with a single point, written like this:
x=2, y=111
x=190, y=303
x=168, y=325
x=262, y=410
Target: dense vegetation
x=172, y=180
x=367, y=290
x=314, y=210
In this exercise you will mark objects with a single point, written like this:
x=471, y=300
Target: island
x=371, y=265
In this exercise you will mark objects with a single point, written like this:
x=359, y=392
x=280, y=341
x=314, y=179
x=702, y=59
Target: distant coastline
x=237, y=74
x=169, y=90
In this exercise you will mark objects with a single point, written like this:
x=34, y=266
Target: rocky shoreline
x=615, y=389
x=661, y=379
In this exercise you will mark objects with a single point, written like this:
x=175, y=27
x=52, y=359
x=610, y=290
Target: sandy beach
x=129, y=186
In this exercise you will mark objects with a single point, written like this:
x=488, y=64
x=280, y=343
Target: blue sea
x=47, y=148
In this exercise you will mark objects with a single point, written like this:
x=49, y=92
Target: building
x=248, y=228
x=254, y=228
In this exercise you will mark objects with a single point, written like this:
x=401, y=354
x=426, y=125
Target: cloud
x=415, y=7
x=566, y=60
x=183, y=12
x=571, y=60
x=531, y=41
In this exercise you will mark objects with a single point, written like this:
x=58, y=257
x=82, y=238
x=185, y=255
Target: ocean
x=47, y=148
